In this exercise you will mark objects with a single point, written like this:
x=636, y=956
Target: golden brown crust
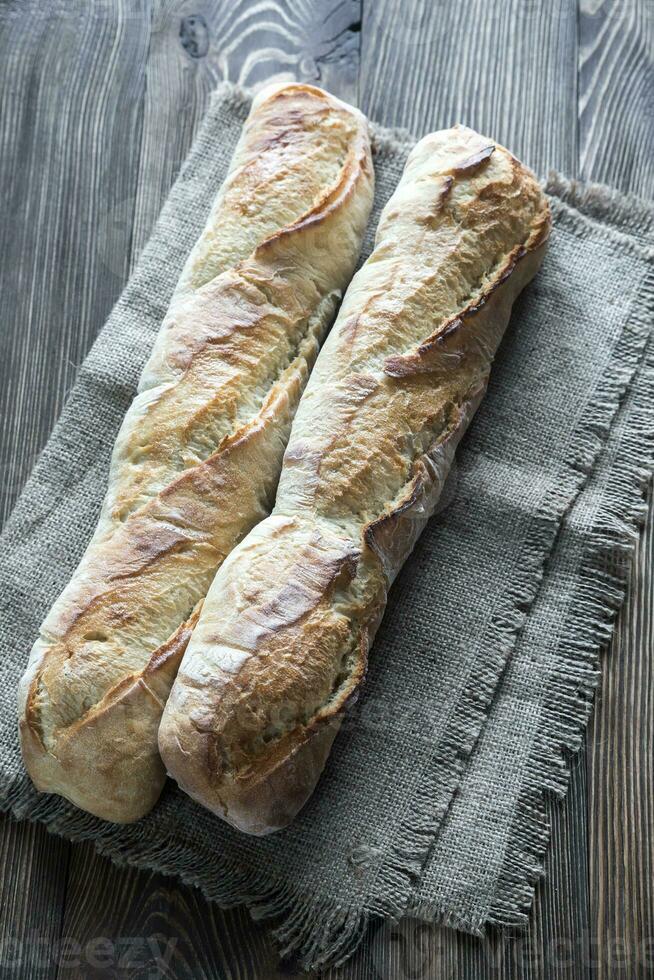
x=117, y=739
x=197, y=459
x=391, y=394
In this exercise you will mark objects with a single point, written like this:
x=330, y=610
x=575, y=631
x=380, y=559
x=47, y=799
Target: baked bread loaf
x=282, y=640
x=198, y=457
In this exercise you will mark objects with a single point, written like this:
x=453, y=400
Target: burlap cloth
x=483, y=671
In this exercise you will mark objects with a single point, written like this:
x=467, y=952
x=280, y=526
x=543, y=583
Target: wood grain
x=616, y=111
x=32, y=899
x=98, y=106
x=68, y=87
x=71, y=91
x=620, y=750
x=508, y=69
x=154, y=927
x=616, y=93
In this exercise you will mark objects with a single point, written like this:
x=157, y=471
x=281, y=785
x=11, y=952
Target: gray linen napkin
x=492, y=628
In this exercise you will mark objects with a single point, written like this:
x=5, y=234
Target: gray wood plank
x=32, y=899
x=616, y=106
x=616, y=93
x=68, y=87
x=153, y=926
x=71, y=90
x=508, y=69
x=620, y=760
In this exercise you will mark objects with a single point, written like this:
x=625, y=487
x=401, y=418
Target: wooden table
x=99, y=105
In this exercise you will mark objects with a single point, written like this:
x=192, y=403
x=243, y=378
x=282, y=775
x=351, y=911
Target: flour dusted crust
x=197, y=459
x=281, y=643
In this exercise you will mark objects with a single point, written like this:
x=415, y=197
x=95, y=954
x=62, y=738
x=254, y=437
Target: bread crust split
x=197, y=459
x=280, y=647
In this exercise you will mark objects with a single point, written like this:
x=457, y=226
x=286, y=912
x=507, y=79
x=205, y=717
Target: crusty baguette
x=198, y=457
x=281, y=643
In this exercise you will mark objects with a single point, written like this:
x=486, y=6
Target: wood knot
x=194, y=35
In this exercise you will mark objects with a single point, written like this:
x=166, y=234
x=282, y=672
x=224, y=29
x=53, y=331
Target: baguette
x=197, y=459
x=282, y=641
